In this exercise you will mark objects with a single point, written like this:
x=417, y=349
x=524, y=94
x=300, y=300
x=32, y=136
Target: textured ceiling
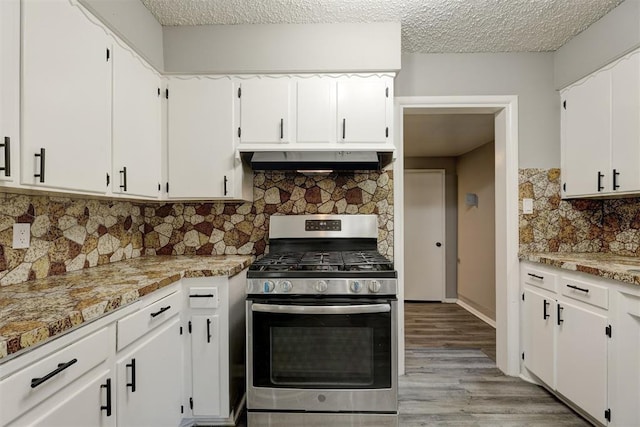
x=428, y=26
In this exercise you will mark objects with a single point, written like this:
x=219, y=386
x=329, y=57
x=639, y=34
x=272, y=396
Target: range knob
x=321, y=286
x=355, y=286
x=374, y=286
x=268, y=286
x=285, y=286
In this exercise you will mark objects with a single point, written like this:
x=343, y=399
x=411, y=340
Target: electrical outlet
x=527, y=206
x=21, y=235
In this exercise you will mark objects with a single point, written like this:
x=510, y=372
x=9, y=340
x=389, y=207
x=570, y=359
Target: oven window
x=322, y=351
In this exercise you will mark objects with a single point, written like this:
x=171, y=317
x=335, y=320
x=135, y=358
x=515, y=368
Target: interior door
x=424, y=225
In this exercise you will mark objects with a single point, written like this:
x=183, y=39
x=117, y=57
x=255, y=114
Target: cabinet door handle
x=535, y=276
x=616, y=174
x=201, y=296
x=281, y=128
x=577, y=288
x=159, y=312
x=344, y=128
x=42, y=162
x=545, y=304
x=107, y=407
x=35, y=382
x=600, y=176
x=225, y=184
x=7, y=156
x=132, y=384
x=559, y=317
x=208, y=330
x=123, y=172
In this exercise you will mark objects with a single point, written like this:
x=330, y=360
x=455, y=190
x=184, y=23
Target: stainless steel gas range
x=322, y=325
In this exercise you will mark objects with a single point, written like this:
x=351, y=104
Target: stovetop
x=324, y=261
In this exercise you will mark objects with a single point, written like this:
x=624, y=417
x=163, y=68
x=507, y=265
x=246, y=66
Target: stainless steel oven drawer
x=279, y=419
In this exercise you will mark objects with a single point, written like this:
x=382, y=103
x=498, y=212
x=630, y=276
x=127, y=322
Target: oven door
x=322, y=355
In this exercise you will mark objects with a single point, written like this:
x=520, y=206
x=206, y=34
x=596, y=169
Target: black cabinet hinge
x=607, y=331
x=182, y=409
x=564, y=104
x=564, y=186
x=159, y=91
x=239, y=92
x=386, y=132
x=523, y=296
x=167, y=186
x=607, y=415
x=180, y=330
x=159, y=187
x=191, y=403
x=189, y=326
x=108, y=180
x=108, y=54
x=386, y=92
x=166, y=93
x=523, y=355
x=239, y=132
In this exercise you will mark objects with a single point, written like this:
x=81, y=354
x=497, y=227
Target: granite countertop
x=34, y=311
x=606, y=265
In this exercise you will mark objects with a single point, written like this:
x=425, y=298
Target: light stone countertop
x=605, y=265
x=34, y=311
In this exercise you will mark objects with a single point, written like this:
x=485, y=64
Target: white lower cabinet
x=150, y=381
x=205, y=362
x=566, y=337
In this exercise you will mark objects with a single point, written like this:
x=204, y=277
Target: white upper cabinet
x=316, y=110
x=9, y=89
x=66, y=104
x=600, y=124
x=201, y=157
x=136, y=125
x=362, y=109
x=265, y=105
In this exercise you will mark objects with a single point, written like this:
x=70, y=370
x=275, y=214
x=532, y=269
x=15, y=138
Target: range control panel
x=323, y=225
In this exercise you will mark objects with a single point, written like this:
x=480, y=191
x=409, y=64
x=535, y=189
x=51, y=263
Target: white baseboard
x=476, y=313
x=450, y=300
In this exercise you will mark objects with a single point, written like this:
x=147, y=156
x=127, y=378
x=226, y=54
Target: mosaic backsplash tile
x=69, y=234
x=577, y=225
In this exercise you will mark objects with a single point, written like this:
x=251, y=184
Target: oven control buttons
x=374, y=286
x=268, y=286
x=285, y=286
x=355, y=286
x=321, y=286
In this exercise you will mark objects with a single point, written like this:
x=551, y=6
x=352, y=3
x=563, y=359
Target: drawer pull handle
x=560, y=319
x=535, y=276
x=159, y=312
x=208, y=330
x=107, y=407
x=545, y=304
x=132, y=384
x=281, y=128
x=201, y=296
x=35, y=382
x=578, y=288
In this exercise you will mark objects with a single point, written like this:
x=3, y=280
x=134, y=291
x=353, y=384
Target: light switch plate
x=21, y=235
x=527, y=206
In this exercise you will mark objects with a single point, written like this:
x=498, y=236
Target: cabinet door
x=265, y=110
x=581, y=370
x=316, y=110
x=66, y=104
x=149, y=380
x=88, y=405
x=362, y=110
x=9, y=88
x=625, y=126
x=136, y=125
x=539, y=327
x=586, y=132
x=205, y=362
x=200, y=138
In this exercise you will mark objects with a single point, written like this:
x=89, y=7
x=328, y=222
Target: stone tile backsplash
x=70, y=233
x=577, y=225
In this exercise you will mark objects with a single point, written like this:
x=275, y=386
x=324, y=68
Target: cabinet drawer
x=31, y=385
x=203, y=297
x=540, y=278
x=139, y=323
x=584, y=291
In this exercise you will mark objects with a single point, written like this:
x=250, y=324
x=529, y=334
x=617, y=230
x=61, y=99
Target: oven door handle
x=321, y=309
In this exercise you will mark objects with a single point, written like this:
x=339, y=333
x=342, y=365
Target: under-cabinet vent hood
x=318, y=160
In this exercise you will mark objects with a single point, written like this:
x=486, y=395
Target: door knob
x=438, y=244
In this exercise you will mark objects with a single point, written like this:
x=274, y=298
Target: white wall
x=527, y=75
x=615, y=34
x=451, y=213
x=282, y=48
x=476, y=230
x=133, y=23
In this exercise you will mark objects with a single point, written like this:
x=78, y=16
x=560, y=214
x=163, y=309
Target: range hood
x=318, y=160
